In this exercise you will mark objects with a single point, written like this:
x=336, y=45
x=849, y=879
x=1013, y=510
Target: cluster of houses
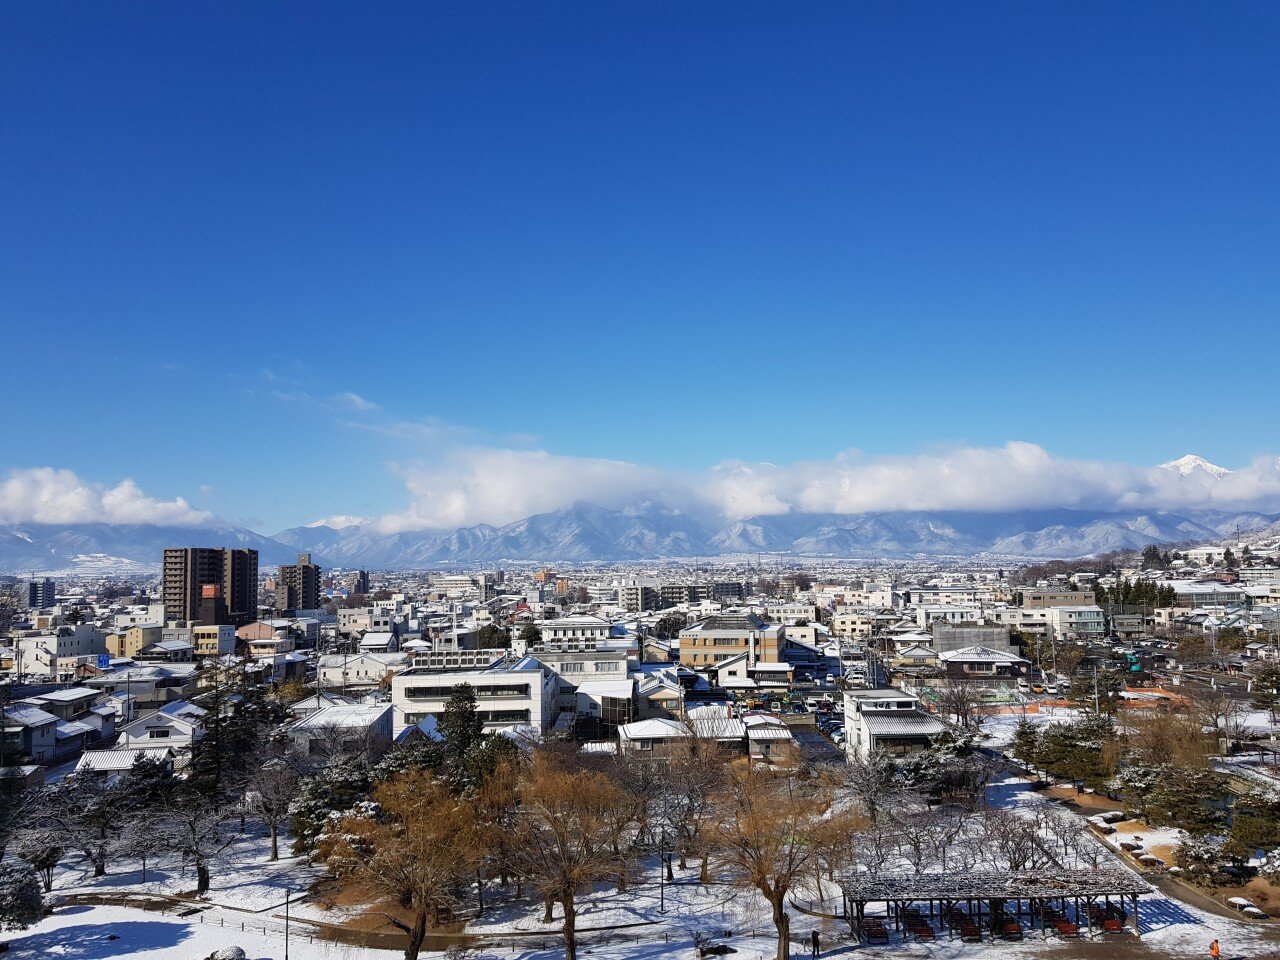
x=631, y=666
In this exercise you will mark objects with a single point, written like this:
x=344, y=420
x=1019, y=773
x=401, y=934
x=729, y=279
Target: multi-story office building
x=637, y=595
x=716, y=639
x=298, y=585
x=507, y=695
x=208, y=585
x=36, y=594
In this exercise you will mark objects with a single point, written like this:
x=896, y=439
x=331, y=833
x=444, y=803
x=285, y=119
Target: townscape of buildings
x=626, y=659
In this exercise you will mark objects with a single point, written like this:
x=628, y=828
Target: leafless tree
x=960, y=699
x=695, y=780
x=10, y=607
x=875, y=784
x=563, y=836
x=766, y=835
x=42, y=850
x=413, y=849
x=1012, y=841
x=272, y=787
x=87, y=813
x=197, y=828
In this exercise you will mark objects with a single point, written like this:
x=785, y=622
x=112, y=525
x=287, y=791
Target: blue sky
x=672, y=235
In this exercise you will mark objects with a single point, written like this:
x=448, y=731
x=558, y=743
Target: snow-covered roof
x=26, y=715
x=184, y=709
x=343, y=716
x=617, y=689
x=119, y=761
x=763, y=732
x=979, y=654
x=904, y=723
x=426, y=726
x=717, y=727
x=657, y=728
x=70, y=695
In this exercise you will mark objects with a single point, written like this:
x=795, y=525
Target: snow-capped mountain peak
x=1190, y=465
x=339, y=522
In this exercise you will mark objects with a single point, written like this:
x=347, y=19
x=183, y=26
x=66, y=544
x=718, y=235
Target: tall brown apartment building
x=210, y=585
x=298, y=586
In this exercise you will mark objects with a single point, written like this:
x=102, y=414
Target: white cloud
x=483, y=485
x=355, y=402
x=48, y=495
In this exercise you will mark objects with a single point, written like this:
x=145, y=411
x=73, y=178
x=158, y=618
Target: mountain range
x=585, y=532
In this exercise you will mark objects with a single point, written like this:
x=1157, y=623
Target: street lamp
x=662, y=872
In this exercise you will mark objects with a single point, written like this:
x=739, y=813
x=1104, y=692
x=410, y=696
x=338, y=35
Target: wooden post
x=1137, y=929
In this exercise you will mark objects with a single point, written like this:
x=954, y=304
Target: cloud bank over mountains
x=487, y=485
x=484, y=485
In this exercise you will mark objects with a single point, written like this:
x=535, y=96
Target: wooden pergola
x=1112, y=892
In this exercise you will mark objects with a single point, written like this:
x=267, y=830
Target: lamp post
x=287, y=894
x=662, y=872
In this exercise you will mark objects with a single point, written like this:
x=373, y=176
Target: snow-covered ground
x=1174, y=928
x=242, y=879
x=86, y=933
x=248, y=889
x=998, y=729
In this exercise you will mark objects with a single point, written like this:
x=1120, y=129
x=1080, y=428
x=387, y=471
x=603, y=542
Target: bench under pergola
x=943, y=892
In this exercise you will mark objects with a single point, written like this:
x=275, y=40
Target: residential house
x=358, y=671
x=888, y=721
x=351, y=728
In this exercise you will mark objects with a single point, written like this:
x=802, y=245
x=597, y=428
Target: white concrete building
x=507, y=695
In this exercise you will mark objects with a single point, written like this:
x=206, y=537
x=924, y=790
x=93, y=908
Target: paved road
x=816, y=748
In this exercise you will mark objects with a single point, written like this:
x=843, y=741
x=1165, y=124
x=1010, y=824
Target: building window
x=162, y=734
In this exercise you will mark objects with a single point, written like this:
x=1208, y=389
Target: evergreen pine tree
x=21, y=903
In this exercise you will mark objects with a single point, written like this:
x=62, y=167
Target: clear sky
x=284, y=259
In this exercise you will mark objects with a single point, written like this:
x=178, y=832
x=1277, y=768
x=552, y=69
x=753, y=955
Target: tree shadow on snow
x=90, y=942
x=1162, y=912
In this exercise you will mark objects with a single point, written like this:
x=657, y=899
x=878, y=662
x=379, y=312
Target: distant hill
x=585, y=532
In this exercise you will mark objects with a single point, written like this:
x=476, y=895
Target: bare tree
x=1012, y=841
x=198, y=828
x=87, y=814
x=10, y=607
x=272, y=788
x=42, y=850
x=695, y=780
x=959, y=699
x=875, y=784
x=414, y=849
x=768, y=835
x=563, y=836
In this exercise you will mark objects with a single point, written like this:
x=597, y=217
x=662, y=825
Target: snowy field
x=243, y=878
